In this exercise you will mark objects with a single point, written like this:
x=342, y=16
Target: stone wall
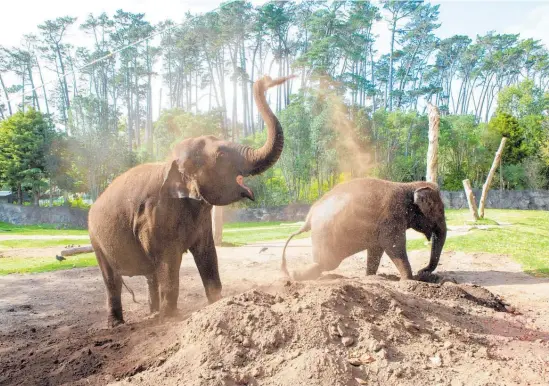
x=501, y=199
x=31, y=215
x=63, y=216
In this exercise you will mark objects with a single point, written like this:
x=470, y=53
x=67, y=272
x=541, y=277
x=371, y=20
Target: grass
x=238, y=234
x=45, y=229
x=526, y=240
x=9, y=265
x=25, y=243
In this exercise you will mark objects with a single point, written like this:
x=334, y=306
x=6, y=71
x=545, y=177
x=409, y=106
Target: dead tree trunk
x=77, y=250
x=432, y=150
x=217, y=224
x=488, y=182
x=470, y=199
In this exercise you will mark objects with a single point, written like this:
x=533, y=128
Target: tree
x=25, y=140
x=57, y=53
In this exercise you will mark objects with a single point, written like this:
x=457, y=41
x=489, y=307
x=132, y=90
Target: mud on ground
x=479, y=322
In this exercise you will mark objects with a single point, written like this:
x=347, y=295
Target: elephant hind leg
x=373, y=259
x=154, y=294
x=113, y=283
x=323, y=262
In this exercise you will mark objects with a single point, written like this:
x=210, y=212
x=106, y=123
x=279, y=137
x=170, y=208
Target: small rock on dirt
x=347, y=341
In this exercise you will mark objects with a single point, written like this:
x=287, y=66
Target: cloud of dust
x=353, y=148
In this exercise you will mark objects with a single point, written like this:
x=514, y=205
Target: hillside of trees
x=352, y=111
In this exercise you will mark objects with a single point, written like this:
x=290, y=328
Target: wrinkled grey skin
x=150, y=215
x=372, y=214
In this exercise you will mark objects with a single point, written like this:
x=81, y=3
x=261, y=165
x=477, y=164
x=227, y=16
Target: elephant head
x=428, y=200
x=215, y=169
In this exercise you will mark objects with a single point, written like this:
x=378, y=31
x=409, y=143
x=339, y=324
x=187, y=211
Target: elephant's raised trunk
x=259, y=160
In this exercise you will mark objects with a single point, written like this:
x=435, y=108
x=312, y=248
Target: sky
x=466, y=17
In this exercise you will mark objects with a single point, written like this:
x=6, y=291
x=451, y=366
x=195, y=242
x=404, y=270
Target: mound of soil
x=349, y=332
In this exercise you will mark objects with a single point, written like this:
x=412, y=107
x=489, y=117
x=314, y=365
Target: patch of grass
x=266, y=224
x=238, y=234
x=526, y=240
x=44, y=229
x=9, y=265
x=24, y=243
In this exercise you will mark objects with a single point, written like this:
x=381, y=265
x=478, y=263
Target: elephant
x=372, y=214
x=153, y=213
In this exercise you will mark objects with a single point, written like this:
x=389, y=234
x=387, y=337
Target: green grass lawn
x=10, y=265
x=46, y=229
x=25, y=243
x=526, y=240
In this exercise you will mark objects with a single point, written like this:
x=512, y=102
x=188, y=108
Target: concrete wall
x=505, y=199
x=63, y=216
x=30, y=215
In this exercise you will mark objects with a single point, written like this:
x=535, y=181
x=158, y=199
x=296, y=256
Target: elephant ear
x=428, y=200
x=173, y=185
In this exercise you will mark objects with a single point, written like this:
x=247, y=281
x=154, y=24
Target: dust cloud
x=352, y=146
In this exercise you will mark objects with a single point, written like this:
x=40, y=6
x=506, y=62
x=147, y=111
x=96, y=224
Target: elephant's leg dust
x=373, y=259
x=154, y=295
x=396, y=250
x=205, y=258
x=113, y=283
x=168, y=278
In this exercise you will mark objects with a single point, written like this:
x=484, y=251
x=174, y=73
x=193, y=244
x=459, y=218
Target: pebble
x=247, y=342
x=383, y=353
x=361, y=381
x=436, y=360
x=347, y=341
x=448, y=344
x=340, y=330
x=376, y=346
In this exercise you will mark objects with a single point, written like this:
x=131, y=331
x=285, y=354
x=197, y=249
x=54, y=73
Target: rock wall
x=65, y=217
x=31, y=215
x=501, y=199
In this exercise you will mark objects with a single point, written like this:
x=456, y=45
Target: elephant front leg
x=373, y=259
x=205, y=258
x=167, y=276
x=395, y=247
x=154, y=294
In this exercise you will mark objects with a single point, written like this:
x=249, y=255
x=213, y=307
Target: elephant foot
x=169, y=313
x=114, y=322
x=214, y=297
x=153, y=315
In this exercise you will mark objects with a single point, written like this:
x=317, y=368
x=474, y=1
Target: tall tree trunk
x=390, y=80
x=6, y=94
x=35, y=102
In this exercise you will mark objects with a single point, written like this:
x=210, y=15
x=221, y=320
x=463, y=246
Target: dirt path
x=52, y=326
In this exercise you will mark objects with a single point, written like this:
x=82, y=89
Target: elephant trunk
x=259, y=160
x=438, y=238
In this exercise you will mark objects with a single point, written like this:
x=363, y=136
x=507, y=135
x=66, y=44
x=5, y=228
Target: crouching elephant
x=372, y=214
x=150, y=215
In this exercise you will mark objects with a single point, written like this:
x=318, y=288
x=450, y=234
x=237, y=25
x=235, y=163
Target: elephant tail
x=304, y=228
x=130, y=291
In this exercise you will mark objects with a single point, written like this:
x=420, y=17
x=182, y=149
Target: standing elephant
x=372, y=214
x=153, y=213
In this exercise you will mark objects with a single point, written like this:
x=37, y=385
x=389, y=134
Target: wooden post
x=217, y=224
x=488, y=182
x=432, y=150
x=470, y=199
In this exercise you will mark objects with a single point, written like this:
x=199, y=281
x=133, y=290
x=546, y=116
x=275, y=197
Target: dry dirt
x=491, y=328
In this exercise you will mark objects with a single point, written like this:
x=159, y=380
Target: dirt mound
x=346, y=332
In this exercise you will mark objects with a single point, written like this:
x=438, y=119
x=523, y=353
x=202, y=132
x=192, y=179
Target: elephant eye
x=220, y=154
